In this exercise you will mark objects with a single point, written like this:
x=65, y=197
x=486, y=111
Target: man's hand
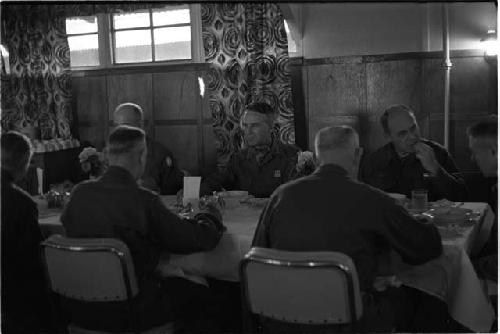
x=425, y=154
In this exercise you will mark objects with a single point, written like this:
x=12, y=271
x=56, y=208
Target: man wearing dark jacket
x=330, y=211
x=264, y=163
x=115, y=206
x=25, y=301
x=409, y=162
x=162, y=173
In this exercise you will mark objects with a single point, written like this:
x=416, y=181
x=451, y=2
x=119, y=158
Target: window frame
x=106, y=43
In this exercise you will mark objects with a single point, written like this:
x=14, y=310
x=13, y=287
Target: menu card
x=191, y=189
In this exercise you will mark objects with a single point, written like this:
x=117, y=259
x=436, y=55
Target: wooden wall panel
x=176, y=95
x=89, y=97
x=210, y=150
x=182, y=140
x=387, y=83
x=334, y=90
x=93, y=134
x=470, y=85
x=136, y=88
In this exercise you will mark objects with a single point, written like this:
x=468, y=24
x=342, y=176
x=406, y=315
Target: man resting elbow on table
x=331, y=211
x=409, y=162
x=115, y=206
x=264, y=163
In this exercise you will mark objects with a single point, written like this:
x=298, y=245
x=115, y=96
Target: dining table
x=450, y=277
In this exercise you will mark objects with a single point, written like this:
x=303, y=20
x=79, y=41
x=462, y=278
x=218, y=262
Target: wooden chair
x=301, y=288
x=93, y=270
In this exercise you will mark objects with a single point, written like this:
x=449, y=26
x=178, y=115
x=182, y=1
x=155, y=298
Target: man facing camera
x=483, y=143
x=409, y=162
x=264, y=163
x=330, y=211
x=161, y=173
x=25, y=299
x=115, y=206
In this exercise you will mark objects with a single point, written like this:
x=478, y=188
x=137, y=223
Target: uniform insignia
x=277, y=173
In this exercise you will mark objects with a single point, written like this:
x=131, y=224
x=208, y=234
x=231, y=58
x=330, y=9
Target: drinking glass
x=419, y=199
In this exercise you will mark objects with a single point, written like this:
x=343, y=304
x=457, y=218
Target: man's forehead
x=250, y=117
x=481, y=142
x=400, y=120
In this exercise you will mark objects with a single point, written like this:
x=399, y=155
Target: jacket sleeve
x=261, y=236
x=171, y=178
x=221, y=179
x=448, y=180
x=184, y=236
x=416, y=242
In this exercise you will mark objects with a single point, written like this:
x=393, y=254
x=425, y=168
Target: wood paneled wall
x=356, y=90
x=175, y=113
x=341, y=90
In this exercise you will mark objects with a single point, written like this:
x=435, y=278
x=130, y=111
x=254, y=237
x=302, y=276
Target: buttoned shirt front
x=260, y=177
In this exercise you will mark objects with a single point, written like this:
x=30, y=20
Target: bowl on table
x=233, y=198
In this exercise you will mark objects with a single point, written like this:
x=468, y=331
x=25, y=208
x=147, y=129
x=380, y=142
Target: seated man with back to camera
x=330, y=211
x=25, y=297
x=115, y=206
x=264, y=163
x=409, y=162
x=162, y=173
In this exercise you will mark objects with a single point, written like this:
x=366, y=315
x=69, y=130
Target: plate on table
x=256, y=202
x=233, y=198
x=445, y=216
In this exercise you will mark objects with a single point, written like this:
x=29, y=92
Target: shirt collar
x=117, y=174
x=331, y=169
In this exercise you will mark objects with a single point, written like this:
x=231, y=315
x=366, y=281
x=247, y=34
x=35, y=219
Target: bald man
x=162, y=173
x=410, y=162
x=331, y=211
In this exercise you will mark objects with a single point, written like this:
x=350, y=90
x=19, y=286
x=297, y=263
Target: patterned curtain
x=37, y=92
x=246, y=47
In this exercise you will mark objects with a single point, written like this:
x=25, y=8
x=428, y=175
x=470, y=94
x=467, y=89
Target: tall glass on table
x=419, y=200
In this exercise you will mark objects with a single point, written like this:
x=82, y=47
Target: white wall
x=343, y=29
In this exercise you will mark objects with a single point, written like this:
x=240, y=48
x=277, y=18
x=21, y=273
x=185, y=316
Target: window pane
x=131, y=20
x=172, y=43
x=133, y=46
x=84, y=50
x=81, y=25
x=171, y=15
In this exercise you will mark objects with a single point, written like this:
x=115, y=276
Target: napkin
x=191, y=189
x=39, y=175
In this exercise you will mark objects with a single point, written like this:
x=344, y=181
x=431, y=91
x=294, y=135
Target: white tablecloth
x=451, y=277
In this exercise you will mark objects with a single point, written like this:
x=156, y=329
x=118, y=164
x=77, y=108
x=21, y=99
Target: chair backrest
x=301, y=287
x=97, y=269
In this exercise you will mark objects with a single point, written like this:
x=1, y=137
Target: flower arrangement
x=306, y=163
x=92, y=162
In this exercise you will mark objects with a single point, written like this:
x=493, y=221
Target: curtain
x=37, y=92
x=246, y=47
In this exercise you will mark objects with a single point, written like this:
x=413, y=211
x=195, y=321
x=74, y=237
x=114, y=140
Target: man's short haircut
x=395, y=108
x=335, y=137
x=487, y=128
x=262, y=108
x=125, y=139
x=129, y=107
x=16, y=150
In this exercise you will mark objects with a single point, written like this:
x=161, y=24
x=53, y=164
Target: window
x=83, y=41
x=168, y=34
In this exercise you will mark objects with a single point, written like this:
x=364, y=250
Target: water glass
x=419, y=199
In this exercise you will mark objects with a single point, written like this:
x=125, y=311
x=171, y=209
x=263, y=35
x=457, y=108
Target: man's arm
x=221, y=179
x=171, y=178
x=444, y=173
x=416, y=242
x=185, y=236
x=261, y=236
